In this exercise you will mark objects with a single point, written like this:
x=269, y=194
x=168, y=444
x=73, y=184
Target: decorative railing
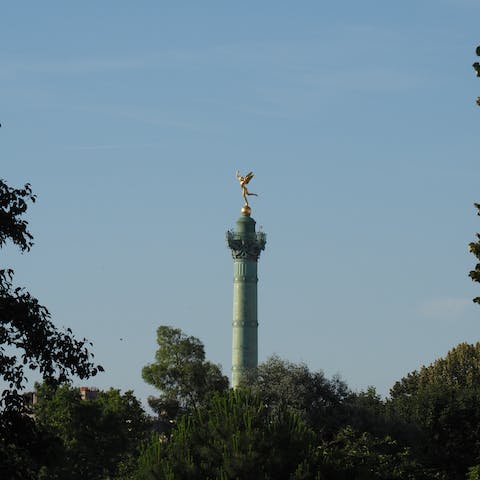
x=246, y=245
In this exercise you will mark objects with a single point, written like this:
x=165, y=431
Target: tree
x=365, y=411
x=359, y=455
x=460, y=369
x=28, y=341
x=181, y=373
x=233, y=435
x=443, y=401
x=239, y=436
x=95, y=439
x=313, y=397
x=475, y=250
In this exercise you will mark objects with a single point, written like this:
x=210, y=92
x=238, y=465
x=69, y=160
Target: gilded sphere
x=246, y=210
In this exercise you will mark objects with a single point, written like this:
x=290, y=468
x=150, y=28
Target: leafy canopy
x=181, y=373
x=95, y=439
x=283, y=384
x=28, y=341
x=28, y=338
x=233, y=435
x=442, y=401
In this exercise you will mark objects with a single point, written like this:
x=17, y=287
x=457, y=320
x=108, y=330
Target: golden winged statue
x=243, y=183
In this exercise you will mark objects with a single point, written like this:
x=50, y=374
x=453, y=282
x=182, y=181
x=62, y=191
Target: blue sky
x=358, y=119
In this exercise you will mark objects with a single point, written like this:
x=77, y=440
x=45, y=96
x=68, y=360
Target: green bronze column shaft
x=246, y=245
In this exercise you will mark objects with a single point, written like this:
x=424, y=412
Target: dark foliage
x=317, y=400
x=476, y=67
x=13, y=205
x=181, y=373
x=28, y=341
x=475, y=250
x=441, y=403
x=95, y=439
x=233, y=435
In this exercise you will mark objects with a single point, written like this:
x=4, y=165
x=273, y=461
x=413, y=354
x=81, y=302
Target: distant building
x=86, y=393
x=89, y=393
x=30, y=398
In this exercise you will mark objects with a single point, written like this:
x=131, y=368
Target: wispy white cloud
x=111, y=146
x=76, y=65
x=446, y=307
x=463, y=3
x=317, y=61
x=161, y=119
x=275, y=77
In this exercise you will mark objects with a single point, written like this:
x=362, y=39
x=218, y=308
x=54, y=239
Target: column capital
x=246, y=246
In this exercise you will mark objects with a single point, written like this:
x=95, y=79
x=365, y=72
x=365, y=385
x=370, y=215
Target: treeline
x=287, y=422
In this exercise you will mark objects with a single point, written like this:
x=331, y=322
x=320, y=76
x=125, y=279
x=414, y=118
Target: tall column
x=246, y=245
